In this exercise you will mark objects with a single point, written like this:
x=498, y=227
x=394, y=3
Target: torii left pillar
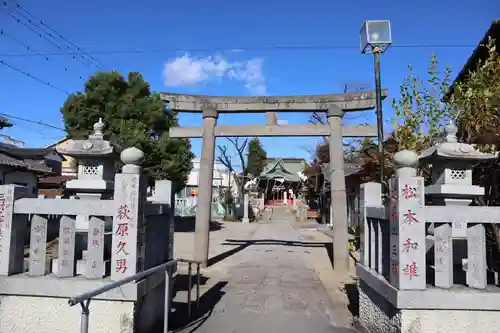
x=205, y=182
x=338, y=200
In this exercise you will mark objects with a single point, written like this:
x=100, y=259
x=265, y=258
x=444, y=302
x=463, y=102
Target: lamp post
x=375, y=38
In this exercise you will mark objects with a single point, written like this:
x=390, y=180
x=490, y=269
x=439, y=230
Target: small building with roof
x=25, y=166
x=280, y=178
x=353, y=171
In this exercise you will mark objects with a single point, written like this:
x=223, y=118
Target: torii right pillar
x=337, y=190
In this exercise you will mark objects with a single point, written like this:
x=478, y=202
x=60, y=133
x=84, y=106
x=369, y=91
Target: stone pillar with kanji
x=407, y=224
x=127, y=256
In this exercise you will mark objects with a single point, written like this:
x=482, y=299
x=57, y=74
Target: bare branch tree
x=240, y=149
x=353, y=86
x=227, y=160
x=224, y=158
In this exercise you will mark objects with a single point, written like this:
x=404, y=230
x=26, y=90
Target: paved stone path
x=270, y=287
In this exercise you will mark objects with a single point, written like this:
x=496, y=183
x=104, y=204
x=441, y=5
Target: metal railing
x=85, y=298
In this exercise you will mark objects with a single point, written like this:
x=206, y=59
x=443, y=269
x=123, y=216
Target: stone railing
x=374, y=237
x=410, y=272
x=126, y=235
x=397, y=237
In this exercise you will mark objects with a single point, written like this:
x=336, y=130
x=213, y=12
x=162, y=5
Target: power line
x=247, y=48
x=48, y=84
x=41, y=123
x=44, y=34
x=57, y=33
x=33, y=30
x=64, y=45
x=29, y=48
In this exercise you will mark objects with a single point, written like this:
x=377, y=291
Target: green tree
x=256, y=158
x=133, y=116
x=420, y=110
x=477, y=99
x=420, y=114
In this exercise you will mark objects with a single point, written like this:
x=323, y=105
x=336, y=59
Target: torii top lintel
x=358, y=101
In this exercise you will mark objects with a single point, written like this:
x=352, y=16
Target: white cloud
x=187, y=70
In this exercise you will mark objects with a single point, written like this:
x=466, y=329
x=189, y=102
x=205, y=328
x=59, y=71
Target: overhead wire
x=31, y=49
x=44, y=31
x=48, y=84
x=37, y=29
x=41, y=123
x=244, y=48
x=84, y=54
x=57, y=41
x=39, y=131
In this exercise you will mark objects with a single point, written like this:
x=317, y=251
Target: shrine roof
x=286, y=168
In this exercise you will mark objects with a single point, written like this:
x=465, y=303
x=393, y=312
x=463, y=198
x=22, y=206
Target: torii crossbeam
x=335, y=105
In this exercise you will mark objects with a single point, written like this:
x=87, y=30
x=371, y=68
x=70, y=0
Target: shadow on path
x=187, y=224
x=351, y=290
x=179, y=320
x=242, y=244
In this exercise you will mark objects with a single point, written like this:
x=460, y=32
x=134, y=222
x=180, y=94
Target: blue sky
x=218, y=29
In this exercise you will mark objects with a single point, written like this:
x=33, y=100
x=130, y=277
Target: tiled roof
x=55, y=179
x=9, y=156
x=6, y=159
x=31, y=153
x=479, y=53
x=37, y=165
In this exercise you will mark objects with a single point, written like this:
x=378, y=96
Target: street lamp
x=375, y=38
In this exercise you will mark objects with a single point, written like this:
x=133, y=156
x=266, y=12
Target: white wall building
x=221, y=178
x=221, y=175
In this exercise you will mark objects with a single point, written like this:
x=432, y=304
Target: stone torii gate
x=335, y=106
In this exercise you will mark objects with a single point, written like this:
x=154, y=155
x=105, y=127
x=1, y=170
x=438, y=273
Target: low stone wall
x=376, y=314
x=40, y=304
x=385, y=309
x=21, y=314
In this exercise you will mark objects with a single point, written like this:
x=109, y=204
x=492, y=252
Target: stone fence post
x=127, y=256
x=246, y=203
x=164, y=194
x=407, y=224
x=12, y=231
x=371, y=195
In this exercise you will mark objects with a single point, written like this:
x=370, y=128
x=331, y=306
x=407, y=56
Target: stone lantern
x=452, y=164
x=96, y=159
